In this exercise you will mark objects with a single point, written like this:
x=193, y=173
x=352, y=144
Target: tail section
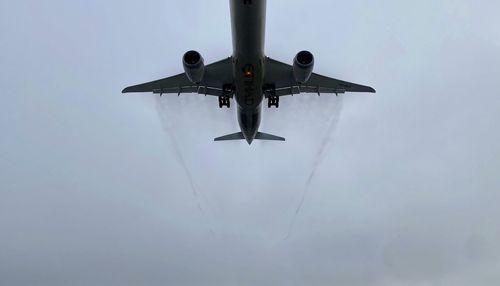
x=234, y=136
x=265, y=136
x=240, y=136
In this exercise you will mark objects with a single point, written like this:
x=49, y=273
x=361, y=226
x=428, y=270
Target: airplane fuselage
x=248, y=76
x=248, y=19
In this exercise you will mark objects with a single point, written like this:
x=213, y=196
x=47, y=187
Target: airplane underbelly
x=248, y=26
x=248, y=81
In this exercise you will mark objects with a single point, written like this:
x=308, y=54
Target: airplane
x=248, y=76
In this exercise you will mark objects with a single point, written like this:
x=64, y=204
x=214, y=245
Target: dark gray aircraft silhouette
x=248, y=75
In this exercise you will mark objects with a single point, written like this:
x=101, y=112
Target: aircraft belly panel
x=248, y=83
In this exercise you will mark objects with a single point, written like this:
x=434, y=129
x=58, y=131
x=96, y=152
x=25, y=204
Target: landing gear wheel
x=273, y=101
x=224, y=101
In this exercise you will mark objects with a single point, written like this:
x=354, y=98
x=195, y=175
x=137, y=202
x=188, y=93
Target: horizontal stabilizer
x=265, y=136
x=234, y=136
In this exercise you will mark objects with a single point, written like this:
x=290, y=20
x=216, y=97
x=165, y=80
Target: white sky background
x=93, y=191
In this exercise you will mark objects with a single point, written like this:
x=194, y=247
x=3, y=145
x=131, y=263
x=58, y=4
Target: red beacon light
x=248, y=71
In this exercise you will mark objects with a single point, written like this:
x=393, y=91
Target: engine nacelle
x=194, y=66
x=303, y=65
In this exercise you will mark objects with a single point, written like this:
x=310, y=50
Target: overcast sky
x=399, y=188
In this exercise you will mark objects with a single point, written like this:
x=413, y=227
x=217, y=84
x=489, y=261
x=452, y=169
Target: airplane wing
x=280, y=76
x=216, y=76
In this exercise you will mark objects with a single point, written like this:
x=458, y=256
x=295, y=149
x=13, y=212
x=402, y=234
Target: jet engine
x=303, y=65
x=194, y=66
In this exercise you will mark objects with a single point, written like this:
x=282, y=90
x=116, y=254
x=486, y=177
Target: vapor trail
x=166, y=124
x=327, y=139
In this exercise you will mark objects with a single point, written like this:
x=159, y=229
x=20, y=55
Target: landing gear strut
x=227, y=93
x=224, y=101
x=272, y=98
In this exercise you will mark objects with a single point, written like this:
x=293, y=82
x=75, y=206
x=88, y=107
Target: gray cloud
x=92, y=190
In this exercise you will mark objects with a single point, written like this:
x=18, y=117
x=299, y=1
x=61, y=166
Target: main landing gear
x=224, y=101
x=273, y=101
x=227, y=93
x=272, y=98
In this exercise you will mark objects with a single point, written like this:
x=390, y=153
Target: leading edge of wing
x=178, y=81
x=325, y=82
x=281, y=76
x=216, y=75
